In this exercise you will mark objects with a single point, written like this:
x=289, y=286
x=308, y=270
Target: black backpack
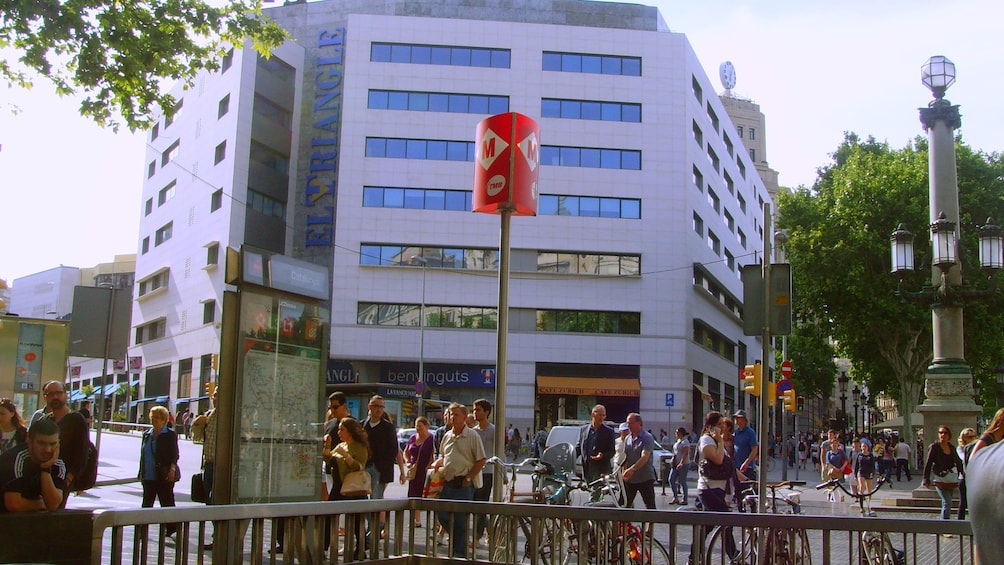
x=89, y=473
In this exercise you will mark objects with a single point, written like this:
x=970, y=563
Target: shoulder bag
x=717, y=471
x=356, y=483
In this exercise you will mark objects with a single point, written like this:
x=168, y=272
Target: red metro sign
x=507, y=160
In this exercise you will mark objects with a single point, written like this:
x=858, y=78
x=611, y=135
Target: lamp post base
x=948, y=391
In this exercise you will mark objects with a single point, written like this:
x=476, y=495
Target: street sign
x=783, y=385
x=419, y=388
x=670, y=400
x=787, y=369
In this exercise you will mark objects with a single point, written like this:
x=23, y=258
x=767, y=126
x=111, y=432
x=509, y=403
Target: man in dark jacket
x=596, y=444
x=73, y=434
x=384, y=449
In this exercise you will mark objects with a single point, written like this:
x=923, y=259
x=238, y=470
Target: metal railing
x=529, y=533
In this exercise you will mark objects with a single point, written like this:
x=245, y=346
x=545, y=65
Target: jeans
x=483, y=494
x=458, y=535
x=713, y=500
x=903, y=465
x=678, y=480
x=207, y=480
x=946, y=501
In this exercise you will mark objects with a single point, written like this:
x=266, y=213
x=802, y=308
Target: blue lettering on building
x=320, y=183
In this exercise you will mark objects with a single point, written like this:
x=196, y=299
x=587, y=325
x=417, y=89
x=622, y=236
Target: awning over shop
x=148, y=399
x=189, y=400
x=916, y=421
x=76, y=396
x=585, y=386
x=705, y=395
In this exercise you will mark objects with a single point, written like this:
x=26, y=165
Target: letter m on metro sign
x=507, y=161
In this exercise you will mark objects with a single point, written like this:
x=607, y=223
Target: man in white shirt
x=902, y=454
x=463, y=456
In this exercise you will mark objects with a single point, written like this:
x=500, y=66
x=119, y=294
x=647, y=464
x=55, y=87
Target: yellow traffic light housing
x=771, y=393
x=790, y=402
x=210, y=388
x=216, y=361
x=751, y=378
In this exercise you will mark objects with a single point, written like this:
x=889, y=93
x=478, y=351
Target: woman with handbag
x=349, y=461
x=158, y=462
x=943, y=468
x=716, y=473
x=418, y=455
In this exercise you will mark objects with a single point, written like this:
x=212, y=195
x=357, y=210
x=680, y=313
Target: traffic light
x=216, y=361
x=751, y=376
x=801, y=404
x=210, y=388
x=789, y=400
x=771, y=393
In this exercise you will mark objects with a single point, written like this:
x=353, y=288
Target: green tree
x=119, y=54
x=839, y=250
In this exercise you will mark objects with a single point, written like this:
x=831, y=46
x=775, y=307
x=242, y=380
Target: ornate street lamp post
x=842, y=384
x=948, y=381
x=864, y=414
x=856, y=394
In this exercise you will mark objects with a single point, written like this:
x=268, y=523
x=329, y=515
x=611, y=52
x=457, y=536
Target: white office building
x=353, y=147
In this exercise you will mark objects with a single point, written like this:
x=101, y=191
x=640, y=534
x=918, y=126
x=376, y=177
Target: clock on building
x=727, y=73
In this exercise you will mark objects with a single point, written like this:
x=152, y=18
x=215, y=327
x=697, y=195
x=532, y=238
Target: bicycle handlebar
x=837, y=482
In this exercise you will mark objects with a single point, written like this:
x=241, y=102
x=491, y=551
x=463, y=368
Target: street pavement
x=118, y=461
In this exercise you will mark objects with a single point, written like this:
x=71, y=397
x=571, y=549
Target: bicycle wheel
x=646, y=550
x=876, y=549
x=788, y=547
x=717, y=547
x=502, y=539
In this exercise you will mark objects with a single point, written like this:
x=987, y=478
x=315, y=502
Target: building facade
x=353, y=147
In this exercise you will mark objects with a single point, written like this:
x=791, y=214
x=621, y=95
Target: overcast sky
x=70, y=191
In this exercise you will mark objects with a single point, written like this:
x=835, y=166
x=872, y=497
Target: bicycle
x=875, y=548
x=616, y=542
x=783, y=546
x=503, y=528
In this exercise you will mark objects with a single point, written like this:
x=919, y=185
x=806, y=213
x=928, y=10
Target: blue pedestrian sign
x=670, y=400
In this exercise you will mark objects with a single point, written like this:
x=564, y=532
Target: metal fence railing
x=343, y=532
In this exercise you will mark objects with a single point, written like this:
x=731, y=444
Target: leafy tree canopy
x=118, y=54
x=839, y=250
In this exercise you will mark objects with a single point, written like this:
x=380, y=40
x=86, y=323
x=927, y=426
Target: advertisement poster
x=281, y=376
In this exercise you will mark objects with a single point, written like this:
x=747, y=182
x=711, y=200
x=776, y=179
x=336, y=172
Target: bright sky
x=70, y=192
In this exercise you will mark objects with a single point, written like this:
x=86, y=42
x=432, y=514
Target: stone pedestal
x=949, y=402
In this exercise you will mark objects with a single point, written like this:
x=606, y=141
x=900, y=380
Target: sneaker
x=675, y=501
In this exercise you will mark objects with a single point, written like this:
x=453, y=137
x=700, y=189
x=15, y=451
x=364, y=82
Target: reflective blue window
x=376, y=147
x=481, y=58
x=421, y=54
x=568, y=205
x=393, y=198
x=369, y=255
x=549, y=155
x=611, y=112
x=500, y=58
x=440, y=55
x=477, y=104
x=549, y=108
x=456, y=151
x=569, y=157
x=551, y=61
x=631, y=113
x=571, y=63
x=591, y=64
x=596, y=64
x=435, y=199
x=631, y=160
x=458, y=103
x=610, y=207
x=416, y=149
x=589, y=206
x=418, y=101
x=591, y=110
x=547, y=205
x=377, y=100
x=457, y=200
x=390, y=254
x=397, y=148
x=612, y=65
x=414, y=198
x=400, y=54
x=461, y=57
x=498, y=105
x=610, y=159
x=372, y=197
x=631, y=66
x=591, y=158
x=439, y=102
x=436, y=150
x=631, y=209
x=380, y=52
x=397, y=100
x=570, y=109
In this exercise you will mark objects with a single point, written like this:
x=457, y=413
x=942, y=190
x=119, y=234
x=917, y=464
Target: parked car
x=403, y=435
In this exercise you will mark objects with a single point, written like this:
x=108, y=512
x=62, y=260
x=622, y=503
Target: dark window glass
x=372, y=197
